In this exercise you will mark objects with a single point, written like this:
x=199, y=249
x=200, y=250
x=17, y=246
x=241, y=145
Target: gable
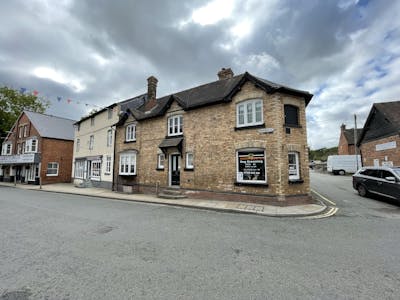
x=377, y=126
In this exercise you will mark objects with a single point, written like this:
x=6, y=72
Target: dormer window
x=175, y=125
x=249, y=113
x=130, y=133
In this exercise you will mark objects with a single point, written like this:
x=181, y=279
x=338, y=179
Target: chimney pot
x=225, y=73
x=343, y=127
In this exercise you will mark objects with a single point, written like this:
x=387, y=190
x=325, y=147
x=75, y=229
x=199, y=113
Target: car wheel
x=362, y=191
x=341, y=172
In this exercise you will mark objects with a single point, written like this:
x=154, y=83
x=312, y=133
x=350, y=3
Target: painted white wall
x=99, y=130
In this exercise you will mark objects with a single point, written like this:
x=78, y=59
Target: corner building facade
x=240, y=138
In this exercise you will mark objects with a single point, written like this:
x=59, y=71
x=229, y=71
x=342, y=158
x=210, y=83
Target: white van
x=342, y=164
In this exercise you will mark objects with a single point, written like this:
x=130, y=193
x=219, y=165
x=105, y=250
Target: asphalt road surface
x=57, y=246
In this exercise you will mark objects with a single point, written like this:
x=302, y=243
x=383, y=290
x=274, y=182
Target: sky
x=81, y=54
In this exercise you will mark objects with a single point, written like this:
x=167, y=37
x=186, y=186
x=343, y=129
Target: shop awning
x=171, y=143
x=27, y=158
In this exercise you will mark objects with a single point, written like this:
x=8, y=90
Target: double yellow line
x=326, y=199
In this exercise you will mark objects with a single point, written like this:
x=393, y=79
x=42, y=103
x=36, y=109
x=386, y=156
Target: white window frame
x=109, y=138
x=95, y=170
x=25, y=130
x=130, y=133
x=54, y=166
x=239, y=175
x=126, y=161
x=19, y=148
x=249, y=108
x=296, y=166
x=108, y=165
x=20, y=131
x=6, y=149
x=161, y=161
x=175, y=125
x=29, y=145
x=91, y=142
x=189, y=160
x=79, y=168
x=78, y=145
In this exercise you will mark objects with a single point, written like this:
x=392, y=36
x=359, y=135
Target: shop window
x=52, y=169
x=249, y=113
x=160, y=161
x=291, y=115
x=127, y=163
x=95, y=170
x=251, y=166
x=79, y=168
x=189, y=160
x=130, y=133
x=294, y=170
x=175, y=125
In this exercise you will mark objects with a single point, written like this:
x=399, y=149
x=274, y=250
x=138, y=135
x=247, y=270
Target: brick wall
x=59, y=151
x=369, y=153
x=209, y=133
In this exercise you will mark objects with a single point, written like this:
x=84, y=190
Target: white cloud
x=59, y=77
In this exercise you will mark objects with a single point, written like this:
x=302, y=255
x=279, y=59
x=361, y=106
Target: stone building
x=379, y=141
x=238, y=138
x=38, y=148
x=346, y=140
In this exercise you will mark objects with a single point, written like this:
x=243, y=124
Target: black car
x=383, y=181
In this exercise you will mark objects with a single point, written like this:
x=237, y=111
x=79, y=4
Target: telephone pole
x=355, y=139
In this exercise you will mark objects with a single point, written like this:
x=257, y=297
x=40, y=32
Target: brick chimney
x=151, y=93
x=343, y=127
x=225, y=74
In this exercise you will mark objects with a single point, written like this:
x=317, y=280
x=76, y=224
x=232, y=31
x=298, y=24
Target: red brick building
x=38, y=147
x=379, y=141
x=346, y=140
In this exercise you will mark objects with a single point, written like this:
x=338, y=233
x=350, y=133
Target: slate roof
x=383, y=121
x=52, y=127
x=219, y=91
x=349, y=135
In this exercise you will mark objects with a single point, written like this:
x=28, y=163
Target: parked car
x=383, y=181
x=342, y=164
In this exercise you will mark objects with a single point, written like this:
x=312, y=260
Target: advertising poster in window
x=251, y=166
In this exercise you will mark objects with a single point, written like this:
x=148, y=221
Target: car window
x=397, y=171
x=386, y=174
x=371, y=172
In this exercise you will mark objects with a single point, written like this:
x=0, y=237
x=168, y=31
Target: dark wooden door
x=175, y=170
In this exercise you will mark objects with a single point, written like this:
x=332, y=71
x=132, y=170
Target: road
x=57, y=246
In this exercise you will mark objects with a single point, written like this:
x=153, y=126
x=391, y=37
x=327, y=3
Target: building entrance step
x=171, y=193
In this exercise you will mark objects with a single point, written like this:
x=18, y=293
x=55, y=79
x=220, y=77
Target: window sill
x=107, y=173
x=160, y=169
x=126, y=174
x=251, y=184
x=250, y=127
x=174, y=136
x=51, y=175
x=132, y=141
x=292, y=125
x=296, y=181
x=188, y=169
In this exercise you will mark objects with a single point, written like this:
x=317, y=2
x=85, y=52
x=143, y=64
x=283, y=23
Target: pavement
x=317, y=210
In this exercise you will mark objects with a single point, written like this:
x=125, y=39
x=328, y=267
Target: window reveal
x=52, y=169
x=95, y=169
x=175, y=125
x=291, y=115
x=249, y=113
x=294, y=172
x=127, y=164
x=130, y=133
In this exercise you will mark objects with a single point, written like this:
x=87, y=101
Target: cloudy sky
x=347, y=53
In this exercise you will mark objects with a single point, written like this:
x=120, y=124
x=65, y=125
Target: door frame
x=178, y=155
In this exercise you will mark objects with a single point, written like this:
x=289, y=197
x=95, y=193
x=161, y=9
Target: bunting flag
x=60, y=99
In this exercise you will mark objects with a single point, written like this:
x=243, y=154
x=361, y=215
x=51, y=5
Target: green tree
x=12, y=103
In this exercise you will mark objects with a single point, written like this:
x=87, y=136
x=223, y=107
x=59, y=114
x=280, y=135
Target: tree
x=13, y=103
